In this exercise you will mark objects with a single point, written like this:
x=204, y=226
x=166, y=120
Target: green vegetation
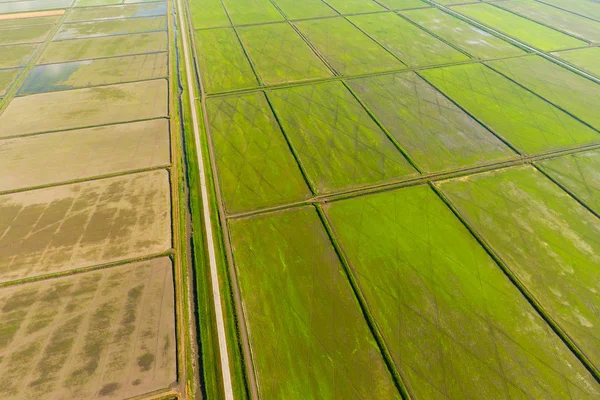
x=125, y=11
x=588, y=9
x=111, y=27
x=579, y=173
x=17, y=55
x=409, y=43
x=475, y=41
x=294, y=9
x=354, y=6
x=448, y=314
x=529, y=123
x=208, y=14
x=308, y=335
x=586, y=59
x=338, y=144
x=545, y=238
x=24, y=34
x=403, y=4
x=7, y=77
x=110, y=46
x=347, y=49
x=222, y=62
x=280, y=55
x=255, y=165
x=102, y=71
x=252, y=11
x=569, y=23
x=436, y=134
x=568, y=90
x=520, y=28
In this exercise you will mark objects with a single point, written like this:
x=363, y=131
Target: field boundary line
x=98, y=36
x=77, y=271
x=102, y=57
x=419, y=180
x=216, y=291
x=32, y=62
x=234, y=92
x=567, y=11
x=364, y=306
x=92, y=178
x=26, y=135
x=559, y=30
x=565, y=189
x=531, y=299
x=541, y=97
x=512, y=40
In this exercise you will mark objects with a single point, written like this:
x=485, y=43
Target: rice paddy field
x=406, y=195
x=315, y=199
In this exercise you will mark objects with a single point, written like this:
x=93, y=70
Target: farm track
x=208, y=229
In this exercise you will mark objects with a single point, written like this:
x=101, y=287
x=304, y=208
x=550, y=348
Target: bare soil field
x=83, y=153
x=66, y=227
x=85, y=107
x=107, y=334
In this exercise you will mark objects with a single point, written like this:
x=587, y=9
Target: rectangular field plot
x=587, y=60
x=564, y=21
x=208, y=14
x=412, y=45
x=24, y=34
x=29, y=21
x=82, y=30
x=83, y=153
x=520, y=28
x=436, y=134
x=111, y=46
x=346, y=48
x=16, y=55
x=455, y=325
x=477, y=42
x=84, y=107
x=33, y=5
x=7, y=77
x=280, y=55
x=308, y=335
x=355, y=6
x=61, y=228
x=566, y=89
x=529, y=123
x=113, y=12
x=338, y=144
x=589, y=9
x=103, y=71
x=107, y=333
x=255, y=165
x=222, y=61
x=403, y=4
x=547, y=240
x=305, y=9
x=579, y=173
x=252, y=11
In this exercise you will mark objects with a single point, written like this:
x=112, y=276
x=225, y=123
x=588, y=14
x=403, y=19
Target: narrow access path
x=214, y=276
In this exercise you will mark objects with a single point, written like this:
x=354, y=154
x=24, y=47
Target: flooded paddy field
x=89, y=251
x=107, y=334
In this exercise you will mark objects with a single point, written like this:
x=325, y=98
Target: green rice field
x=300, y=200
